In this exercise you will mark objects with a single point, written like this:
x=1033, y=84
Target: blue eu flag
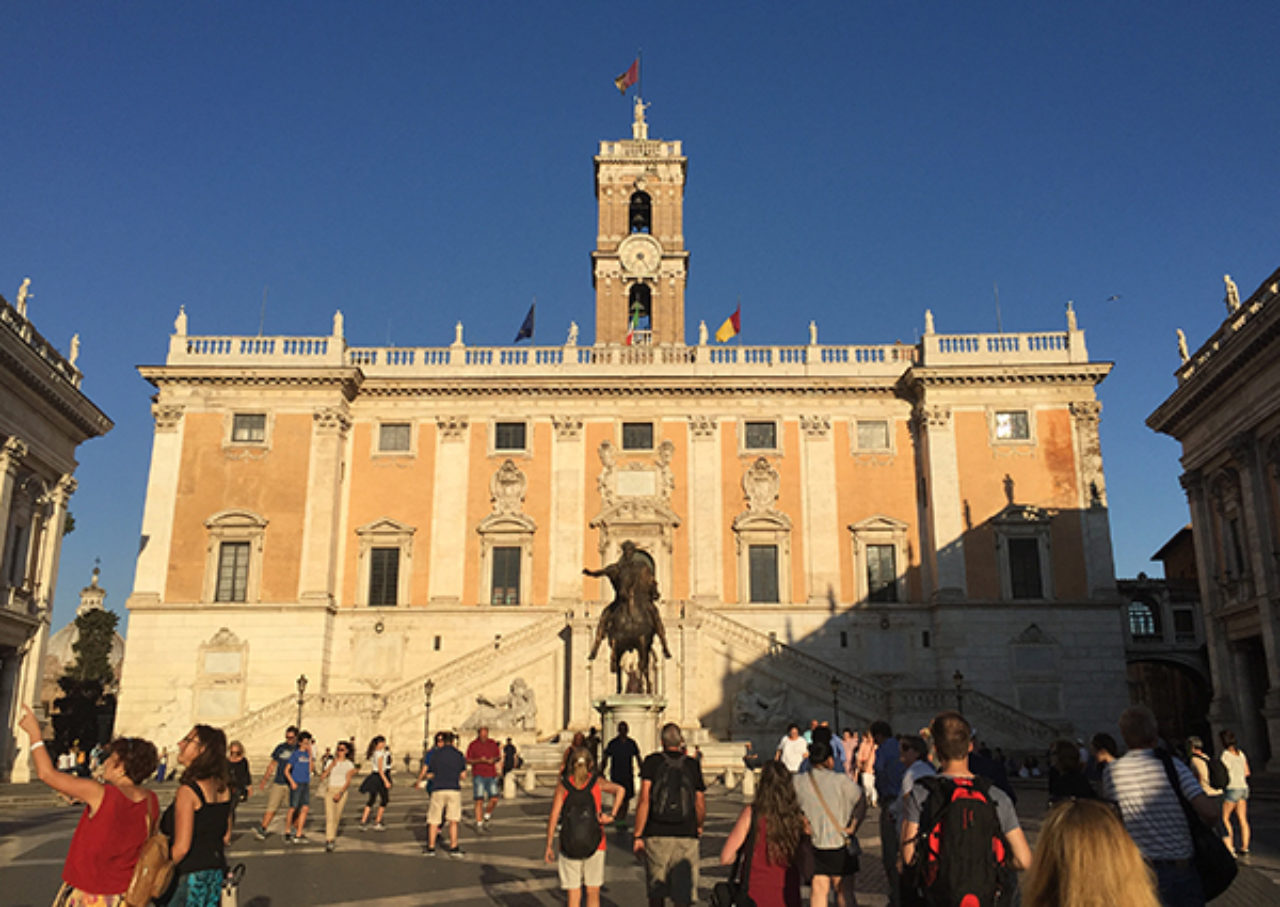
x=526, y=329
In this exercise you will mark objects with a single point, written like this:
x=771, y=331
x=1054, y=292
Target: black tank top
x=206, y=835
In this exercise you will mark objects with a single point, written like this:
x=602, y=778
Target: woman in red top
x=779, y=825
x=116, y=820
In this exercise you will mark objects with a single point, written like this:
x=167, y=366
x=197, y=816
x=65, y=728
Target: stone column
x=448, y=525
x=821, y=521
x=157, y=516
x=317, y=573
x=1222, y=710
x=945, y=529
x=568, y=479
x=705, y=508
x=11, y=456
x=1255, y=508
x=1095, y=521
x=583, y=673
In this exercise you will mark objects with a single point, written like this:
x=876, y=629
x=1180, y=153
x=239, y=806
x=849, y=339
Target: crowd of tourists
x=1139, y=828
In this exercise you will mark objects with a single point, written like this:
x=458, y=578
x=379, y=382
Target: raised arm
x=84, y=789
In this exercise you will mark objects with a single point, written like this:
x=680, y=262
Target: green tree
x=93, y=647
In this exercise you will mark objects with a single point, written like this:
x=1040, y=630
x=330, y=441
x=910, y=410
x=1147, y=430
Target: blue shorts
x=1235, y=794
x=300, y=796
x=484, y=788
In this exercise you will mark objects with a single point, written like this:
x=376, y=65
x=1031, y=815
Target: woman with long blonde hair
x=1085, y=858
x=778, y=823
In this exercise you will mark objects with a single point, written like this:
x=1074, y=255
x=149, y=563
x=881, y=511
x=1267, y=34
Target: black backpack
x=671, y=795
x=1218, y=776
x=579, y=820
x=961, y=854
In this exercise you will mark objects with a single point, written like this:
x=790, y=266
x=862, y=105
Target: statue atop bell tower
x=639, y=265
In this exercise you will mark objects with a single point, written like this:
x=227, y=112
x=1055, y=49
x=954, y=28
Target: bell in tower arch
x=641, y=219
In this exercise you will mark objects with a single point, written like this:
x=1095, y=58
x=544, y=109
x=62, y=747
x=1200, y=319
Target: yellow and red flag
x=732, y=326
x=630, y=77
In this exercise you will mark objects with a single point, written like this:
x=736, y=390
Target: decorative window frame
x=763, y=529
x=879, y=530
x=745, y=451
x=506, y=530
x=384, y=532
x=376, y=445
x=268, y=428
x=234, y=526
x=857, y=450
x=1024, y=521
x=1030, y=440
x=523, y=452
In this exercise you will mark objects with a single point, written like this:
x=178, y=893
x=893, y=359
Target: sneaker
x=364, y=826
x=328, y=846
x=300, y=839
x=288, y=837
x=378, y=826
x=260, y=833
x=456, y=853
x=430, y=850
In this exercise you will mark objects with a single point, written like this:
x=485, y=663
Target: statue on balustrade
x=631, y=620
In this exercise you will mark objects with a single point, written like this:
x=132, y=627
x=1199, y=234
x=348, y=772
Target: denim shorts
x=484, y=788
x=300, y=796
x=1235, y=794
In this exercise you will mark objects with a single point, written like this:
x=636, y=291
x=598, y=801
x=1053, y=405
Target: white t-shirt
x=338, y=773
x=1236, y=765
x=793, y=752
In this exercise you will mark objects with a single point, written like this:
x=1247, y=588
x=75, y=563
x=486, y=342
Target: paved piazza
x=388, y=869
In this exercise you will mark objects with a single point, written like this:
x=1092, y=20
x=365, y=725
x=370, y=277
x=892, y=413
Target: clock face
x=640, y=254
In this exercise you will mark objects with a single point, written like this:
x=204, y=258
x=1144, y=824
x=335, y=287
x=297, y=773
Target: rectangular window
x=393, y=436
x=506, y=576
x=873, y=435
x=764, y=573
x=509, y=436
x=882, y=574
x=233, y=572
x=637, y=436
x=1013, y=425
x=1024, y=568
x=250, y=427
x=762, y=436
x=384, y=576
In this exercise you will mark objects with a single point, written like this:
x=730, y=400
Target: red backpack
x=961, y=857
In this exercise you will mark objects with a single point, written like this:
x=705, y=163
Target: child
x=298, y=773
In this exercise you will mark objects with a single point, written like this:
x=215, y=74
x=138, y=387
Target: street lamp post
x=427, y=689
x=958, y=679
x=835, y=705
x=302, y=691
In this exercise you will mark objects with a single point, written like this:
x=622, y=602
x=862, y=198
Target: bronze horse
x=631, y=620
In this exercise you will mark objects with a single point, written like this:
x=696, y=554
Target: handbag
x=1214, y=863
x=231, y=886
x=733, y=893
x=154, y=870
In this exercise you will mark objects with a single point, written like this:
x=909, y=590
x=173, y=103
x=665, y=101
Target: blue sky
x=416, y=163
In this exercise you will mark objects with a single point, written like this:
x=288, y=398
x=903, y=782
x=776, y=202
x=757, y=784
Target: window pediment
x=235, y=519
x=386, y=526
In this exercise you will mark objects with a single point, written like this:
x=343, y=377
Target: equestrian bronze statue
x=631, y=620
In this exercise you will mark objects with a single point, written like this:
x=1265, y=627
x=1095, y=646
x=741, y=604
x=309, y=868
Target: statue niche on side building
x=631, y=620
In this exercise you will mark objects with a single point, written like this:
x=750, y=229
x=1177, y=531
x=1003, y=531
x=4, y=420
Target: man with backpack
x=670, y=812
x=961, y=840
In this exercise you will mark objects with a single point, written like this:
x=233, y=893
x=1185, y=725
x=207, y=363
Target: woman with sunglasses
x=339, y=774
x=115, y=821
x=198, y=822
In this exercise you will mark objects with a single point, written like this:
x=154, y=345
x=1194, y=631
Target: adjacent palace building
x=865, y=530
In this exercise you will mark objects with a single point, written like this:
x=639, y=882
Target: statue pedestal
x=641, y=712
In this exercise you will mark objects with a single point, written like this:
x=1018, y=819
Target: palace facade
x=869, y=530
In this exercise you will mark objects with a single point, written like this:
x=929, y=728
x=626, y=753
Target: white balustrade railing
x=665, y=360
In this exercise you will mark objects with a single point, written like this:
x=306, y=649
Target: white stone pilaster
x=705, y=508
x=448, y=530
x=1095, y=521
x=12, y=454
x=946, y=512
x=568, y=502
x=161, y=498
x=317, y=574
x=821, y=521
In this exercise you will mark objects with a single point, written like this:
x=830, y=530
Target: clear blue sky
x=416, y=163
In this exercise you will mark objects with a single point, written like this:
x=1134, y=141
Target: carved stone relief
x=760, y=484
x=507, y=488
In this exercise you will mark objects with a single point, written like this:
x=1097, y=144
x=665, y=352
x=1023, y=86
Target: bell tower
x=639, y=265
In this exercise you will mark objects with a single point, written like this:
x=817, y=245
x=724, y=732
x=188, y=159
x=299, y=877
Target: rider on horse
x=619, y=572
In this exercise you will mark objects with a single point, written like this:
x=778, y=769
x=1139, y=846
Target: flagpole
x=640, y=68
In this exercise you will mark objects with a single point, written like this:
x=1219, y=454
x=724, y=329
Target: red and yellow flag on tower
x=630, y=77
x=732, y=326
